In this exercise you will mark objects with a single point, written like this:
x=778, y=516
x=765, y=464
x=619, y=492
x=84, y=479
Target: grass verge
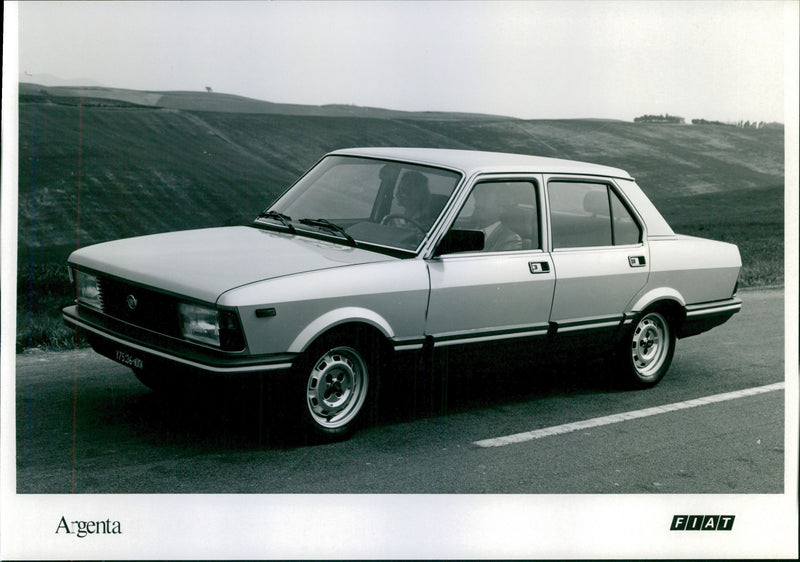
x=43, y=289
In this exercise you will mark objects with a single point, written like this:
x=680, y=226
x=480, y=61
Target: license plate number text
x=129, y=360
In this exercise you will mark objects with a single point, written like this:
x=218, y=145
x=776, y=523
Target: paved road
x=86, y=425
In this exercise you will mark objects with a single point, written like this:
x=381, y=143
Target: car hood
x=203, y=264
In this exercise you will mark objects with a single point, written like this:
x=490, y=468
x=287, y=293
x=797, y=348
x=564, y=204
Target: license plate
x=127, y=359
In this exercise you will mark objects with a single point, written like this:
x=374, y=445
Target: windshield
x=363, y=200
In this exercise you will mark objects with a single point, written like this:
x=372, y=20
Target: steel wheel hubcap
x=336, y=387
x=650, y=344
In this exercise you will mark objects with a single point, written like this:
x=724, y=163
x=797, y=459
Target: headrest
x=596, y=203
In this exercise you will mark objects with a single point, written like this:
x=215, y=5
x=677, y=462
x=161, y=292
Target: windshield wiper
x=325, y=223
x=280, y=217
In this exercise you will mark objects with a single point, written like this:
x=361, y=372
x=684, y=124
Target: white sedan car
x=377, y=252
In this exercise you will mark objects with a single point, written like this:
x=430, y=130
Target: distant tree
x=208, y=89
x=705, y=122
x=666, y=118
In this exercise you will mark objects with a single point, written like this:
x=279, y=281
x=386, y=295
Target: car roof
x=474, y=161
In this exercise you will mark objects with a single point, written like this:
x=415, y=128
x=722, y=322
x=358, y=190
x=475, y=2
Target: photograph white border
x=393, y=526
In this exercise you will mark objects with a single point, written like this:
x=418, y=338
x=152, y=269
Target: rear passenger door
x=598, y=254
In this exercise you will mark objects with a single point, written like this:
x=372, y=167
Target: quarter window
x=589, y=214
x=624, y=227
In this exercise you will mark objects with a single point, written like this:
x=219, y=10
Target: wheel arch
x=664, y=298
x=357, y=322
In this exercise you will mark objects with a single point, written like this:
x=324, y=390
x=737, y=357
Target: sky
x=720, y=60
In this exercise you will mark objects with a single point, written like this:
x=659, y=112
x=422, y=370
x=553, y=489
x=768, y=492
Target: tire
x=334, y=378
x=647, y=350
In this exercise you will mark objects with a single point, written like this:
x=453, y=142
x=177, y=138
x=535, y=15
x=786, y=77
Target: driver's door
x=505, y=290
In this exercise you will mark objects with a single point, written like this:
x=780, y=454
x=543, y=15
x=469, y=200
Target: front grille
x=139, y=306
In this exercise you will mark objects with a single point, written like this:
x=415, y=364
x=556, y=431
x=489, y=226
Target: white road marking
x=625, y=416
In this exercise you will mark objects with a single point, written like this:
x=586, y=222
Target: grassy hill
x=97, y=164
x=99, y=96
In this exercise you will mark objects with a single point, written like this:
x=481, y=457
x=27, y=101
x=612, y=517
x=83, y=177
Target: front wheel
x=335, y=379
x=647, y=350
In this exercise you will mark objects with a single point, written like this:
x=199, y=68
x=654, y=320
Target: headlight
x=210, y=326
x=87, y=290
x=199, y=323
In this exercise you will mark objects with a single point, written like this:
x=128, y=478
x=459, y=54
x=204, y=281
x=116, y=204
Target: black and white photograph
x=399, y=280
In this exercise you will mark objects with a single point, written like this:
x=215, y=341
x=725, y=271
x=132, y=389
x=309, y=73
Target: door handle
x=539, y=267
x=636, y=261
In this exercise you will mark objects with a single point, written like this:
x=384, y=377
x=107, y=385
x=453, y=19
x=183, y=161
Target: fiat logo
x=132, y=302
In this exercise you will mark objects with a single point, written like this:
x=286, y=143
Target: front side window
x=584, y=214
x=507, y=212
x=391, y=204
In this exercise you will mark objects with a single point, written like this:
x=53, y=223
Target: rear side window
x=584, y=214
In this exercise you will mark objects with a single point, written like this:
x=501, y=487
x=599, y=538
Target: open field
x=98, y=164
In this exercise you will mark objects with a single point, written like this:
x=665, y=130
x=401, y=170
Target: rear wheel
x=335, y=379
x=648, y=349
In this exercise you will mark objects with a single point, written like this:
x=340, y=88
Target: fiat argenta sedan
x=378, y=253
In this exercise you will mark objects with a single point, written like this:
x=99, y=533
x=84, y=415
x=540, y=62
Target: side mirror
x=460, y=241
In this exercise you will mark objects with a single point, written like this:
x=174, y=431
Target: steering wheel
x=401, y=220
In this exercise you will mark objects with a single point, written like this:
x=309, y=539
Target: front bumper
x=142, y=349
